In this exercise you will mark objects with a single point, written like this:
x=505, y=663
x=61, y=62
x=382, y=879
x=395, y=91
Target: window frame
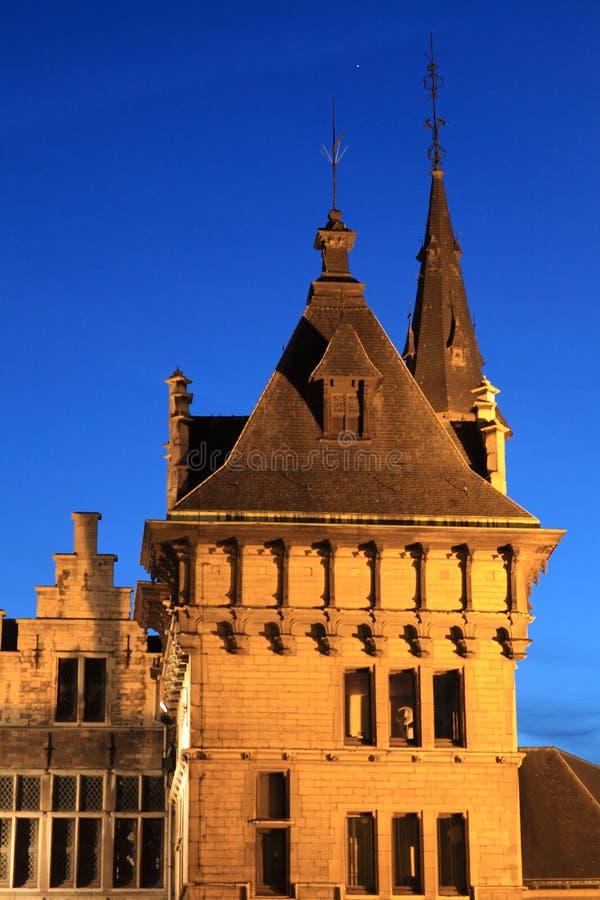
x=80, y=700
x=455, y=735
x=268, y=823
x=453, y=890
x=398, y=740
x=354, y=883
x=353, y=735
x=265, y=797
x=139, y=817
x=417, y=854
x=79, y=812
x=263, y=888
x=16, y=815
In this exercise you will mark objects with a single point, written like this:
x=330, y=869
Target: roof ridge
x=562, y=754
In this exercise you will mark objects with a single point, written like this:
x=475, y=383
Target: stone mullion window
x=19, y=830
x=76, y=831
x=138, y=836
x=81, y=689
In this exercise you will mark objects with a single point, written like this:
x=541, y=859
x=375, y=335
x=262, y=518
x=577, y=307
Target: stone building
x=340, y=592
x=82, y=787
x=342, y=603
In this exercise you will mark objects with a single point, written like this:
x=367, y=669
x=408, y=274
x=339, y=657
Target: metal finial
x=334, y=153
x=433, y=82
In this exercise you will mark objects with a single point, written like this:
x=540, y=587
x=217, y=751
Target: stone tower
x=342, y=602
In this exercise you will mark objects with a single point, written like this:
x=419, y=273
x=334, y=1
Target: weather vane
x=334, y=153
x=433, y=82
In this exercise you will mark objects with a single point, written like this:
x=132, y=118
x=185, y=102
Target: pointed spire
x=445, y=360
x=442, y=351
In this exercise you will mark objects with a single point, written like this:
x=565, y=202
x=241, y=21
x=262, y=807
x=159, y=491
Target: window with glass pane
x=94, y=689
x=358, y=707
x=407, y=854
x=125, y=852
x=361, y=854
x=5, y=842
x=25, y=852
x=272, y=795
x=66, y=700
x=272, y=864
x=19, y=833
x=404, y=725
x=447, y=706
x=81, y=689
x=138, y=839
x=452, y=854
x=75, y=855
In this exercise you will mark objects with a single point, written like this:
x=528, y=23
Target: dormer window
x=344, y=409
x=457, y=355
x=349, y=381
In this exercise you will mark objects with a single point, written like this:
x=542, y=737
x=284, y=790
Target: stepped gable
x=560, y=818
x=403, y=466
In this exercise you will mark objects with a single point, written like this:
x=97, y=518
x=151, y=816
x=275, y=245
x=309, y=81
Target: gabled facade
x=342, y=604
x=82, y=788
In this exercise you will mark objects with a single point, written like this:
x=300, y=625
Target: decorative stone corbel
x=512, y=647
x=420, y=644
x=466, y=645
x=374, y=644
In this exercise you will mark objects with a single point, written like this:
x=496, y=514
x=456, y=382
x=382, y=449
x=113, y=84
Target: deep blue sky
x=161, y=183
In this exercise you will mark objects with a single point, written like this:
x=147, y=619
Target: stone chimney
x=86, y=533
x=179, y=436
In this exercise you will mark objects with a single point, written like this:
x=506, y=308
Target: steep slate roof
x=442, y=321
x=560, y=817
x=211, y=439
x=409, y=469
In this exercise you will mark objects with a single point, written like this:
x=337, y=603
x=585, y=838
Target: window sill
x=281, y=823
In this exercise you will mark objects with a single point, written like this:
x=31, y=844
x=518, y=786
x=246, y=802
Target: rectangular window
x=5, y=843
x=19, y=833
x=407, y=854
x=361, y=854
x=25, y=852
x=81, y=689
x=272, y=865
x=75, y=856
x=404, y=726
x=138, y=836
x=272, y=796
x=272, y=844
x=345, y=406
x=447, y=705
x=452, y=854
x=94, y=689
x=358, y=707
